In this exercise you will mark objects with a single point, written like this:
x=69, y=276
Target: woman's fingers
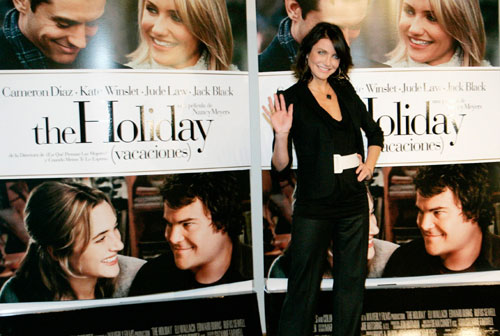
x=271, y=104
x=282, y=102
x=266, y=111
x=364, y=173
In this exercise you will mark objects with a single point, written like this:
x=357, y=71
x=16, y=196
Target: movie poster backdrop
x=123, y=131
x=429, y=116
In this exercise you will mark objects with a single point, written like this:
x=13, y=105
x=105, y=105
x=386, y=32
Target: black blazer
x=312, y=137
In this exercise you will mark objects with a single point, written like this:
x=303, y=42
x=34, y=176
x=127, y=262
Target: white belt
x=341, y=162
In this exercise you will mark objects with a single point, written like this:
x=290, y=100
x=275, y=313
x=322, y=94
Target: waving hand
x=281, y=118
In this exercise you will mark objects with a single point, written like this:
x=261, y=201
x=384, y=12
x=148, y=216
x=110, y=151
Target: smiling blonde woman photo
x=439, y=33
x=178, y=34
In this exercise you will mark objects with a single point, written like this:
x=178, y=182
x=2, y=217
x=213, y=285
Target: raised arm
x=281, y=120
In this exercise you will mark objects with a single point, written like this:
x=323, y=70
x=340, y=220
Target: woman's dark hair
x=333, y=33
x=57, y=217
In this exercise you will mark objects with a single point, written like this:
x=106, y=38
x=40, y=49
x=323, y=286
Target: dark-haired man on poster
x=303, y=15
x=203, y=221
x=454, y=212
x=50, y=34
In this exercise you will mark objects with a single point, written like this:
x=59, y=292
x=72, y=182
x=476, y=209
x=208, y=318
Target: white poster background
x=428, y=116
x=121, y=122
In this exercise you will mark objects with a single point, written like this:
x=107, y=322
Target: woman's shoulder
x=340, y=82
x=8, y=293
x=129, y=266
x=293, y=90
x=134, y=64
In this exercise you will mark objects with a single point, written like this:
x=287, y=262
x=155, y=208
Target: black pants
x=310, y=240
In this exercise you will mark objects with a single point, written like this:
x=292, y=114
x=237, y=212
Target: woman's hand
x=281, y=118
x=364, y=172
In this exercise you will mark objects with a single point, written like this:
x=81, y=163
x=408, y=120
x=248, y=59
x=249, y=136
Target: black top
x=347, y=196
x=412, y=259
x=161, y=275
x=314, y=135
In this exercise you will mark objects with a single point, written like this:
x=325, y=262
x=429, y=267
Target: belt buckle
x=337, y=164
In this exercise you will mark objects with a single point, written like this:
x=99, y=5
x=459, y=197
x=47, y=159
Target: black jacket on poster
x=411, y=259
x=313, y=140
x=87, y=59
x=274, y=58
x=8, y=57
x=161, y=275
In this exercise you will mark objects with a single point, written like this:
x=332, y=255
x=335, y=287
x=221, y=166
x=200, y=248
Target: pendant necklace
x=328, y=95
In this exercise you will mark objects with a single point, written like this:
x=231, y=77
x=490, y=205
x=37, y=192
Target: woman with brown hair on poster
x=178, y=34
x=323, y=116
x=73, y=249
x=439, y=33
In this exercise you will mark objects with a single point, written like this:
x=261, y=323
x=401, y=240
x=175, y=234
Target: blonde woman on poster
x=178, y=34
x=73, y=249
x=439, y=33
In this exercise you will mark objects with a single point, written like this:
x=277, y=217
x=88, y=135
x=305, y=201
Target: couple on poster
x=173, y=34
x=75, y=243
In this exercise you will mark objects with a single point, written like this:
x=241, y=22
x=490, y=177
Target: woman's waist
x=327, y=163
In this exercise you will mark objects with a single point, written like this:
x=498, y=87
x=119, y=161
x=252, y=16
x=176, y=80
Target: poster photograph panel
x=382, y=33
x=425, y=220
x=105, y=237
x=146, y=34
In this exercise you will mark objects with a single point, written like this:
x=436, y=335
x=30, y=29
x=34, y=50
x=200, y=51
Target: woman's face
x=100, y=258
x=373, y=230
x=323, y=60
x=425, y=39
x=170, y=42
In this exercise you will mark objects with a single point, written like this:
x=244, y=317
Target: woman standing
x=323, y=116
x=73, y=249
